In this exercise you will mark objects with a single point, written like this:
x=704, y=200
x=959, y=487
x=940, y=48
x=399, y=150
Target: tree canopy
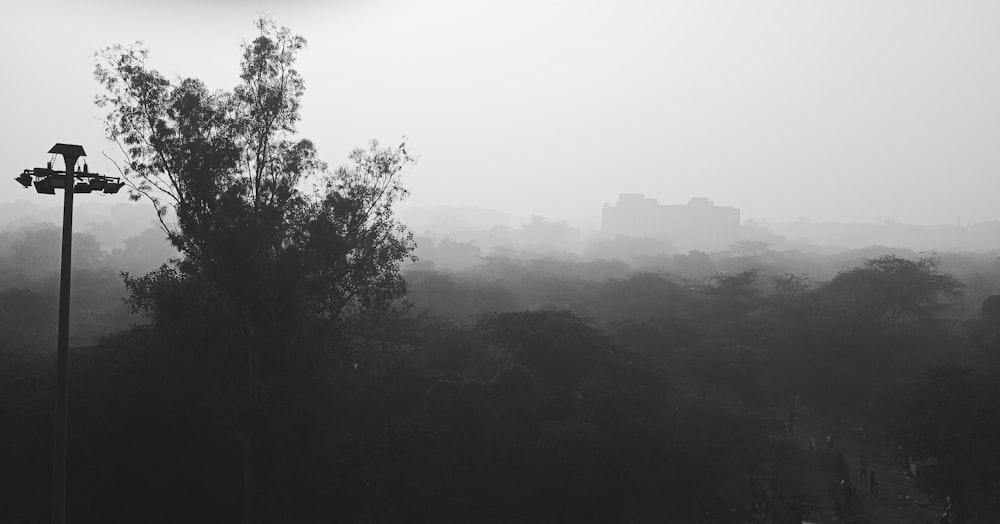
x=950, y=418
x=231, y=182
x=891, y=287
x=278, y=253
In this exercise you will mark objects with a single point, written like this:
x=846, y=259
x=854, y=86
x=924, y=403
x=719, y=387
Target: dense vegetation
x=518, y=390
x=287, y=366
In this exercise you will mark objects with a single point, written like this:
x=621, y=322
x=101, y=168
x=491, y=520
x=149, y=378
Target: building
x=699, y=224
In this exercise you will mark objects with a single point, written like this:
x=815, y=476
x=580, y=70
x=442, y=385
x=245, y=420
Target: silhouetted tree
x=268, y=270
x=951, y=417
x=733, y=294
x=726, y=366
x=891, y=287
x=559, y=346
x=986, y=331
x=25, y=317
x=644, y=295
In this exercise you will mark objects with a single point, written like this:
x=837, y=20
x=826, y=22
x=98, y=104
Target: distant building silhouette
x=699, y=224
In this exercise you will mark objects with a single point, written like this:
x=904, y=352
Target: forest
x=273, y=354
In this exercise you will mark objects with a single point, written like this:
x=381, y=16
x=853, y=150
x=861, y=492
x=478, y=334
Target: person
x=864, y=468
x=872, y=484
x=847, y=492
x=829, y=441
x=812, y=443
x=945, y=516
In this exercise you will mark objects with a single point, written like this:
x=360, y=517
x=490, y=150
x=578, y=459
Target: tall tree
x=268, y=267
x=894, y=288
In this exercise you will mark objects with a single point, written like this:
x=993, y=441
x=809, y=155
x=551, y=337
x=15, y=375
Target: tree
x=694, y=265
x=269, y=269
x=733, y=294
x=643, y=296
x=557, y=345
x=35, y=250
x=24, y=315
x=890, y=287
x=986, y=330
x=723, y=365
x=950, y=417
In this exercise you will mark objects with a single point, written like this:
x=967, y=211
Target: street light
x=46, y=181
x=24, y=179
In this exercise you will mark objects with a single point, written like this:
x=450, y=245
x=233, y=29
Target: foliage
x=655, y=408
x=986, y=331
x=644, y=295
x=36, y=251
x=552, y=389
x=890, y=287
x=24, y=309
x=269, y=269
x=226, y=165
x=951, y=417
x=559, y=346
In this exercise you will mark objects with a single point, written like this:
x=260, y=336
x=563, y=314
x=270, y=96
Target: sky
x=849, y=111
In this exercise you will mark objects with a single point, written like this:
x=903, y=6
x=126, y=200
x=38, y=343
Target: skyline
x=833, y=112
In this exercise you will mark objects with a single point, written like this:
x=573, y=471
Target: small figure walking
x=847, y=491
x=864, y=468
x=829, y=441
x=872, y=485
x=812, y=443
x=945, y=516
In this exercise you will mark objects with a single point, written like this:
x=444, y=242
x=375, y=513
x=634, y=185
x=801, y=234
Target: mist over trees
x=282, y=348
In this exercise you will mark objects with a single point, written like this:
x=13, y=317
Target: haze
x=834, y=111
x=687, y=262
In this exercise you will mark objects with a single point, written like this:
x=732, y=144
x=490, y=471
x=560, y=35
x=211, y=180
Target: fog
x=462, y=261
x=834, y=112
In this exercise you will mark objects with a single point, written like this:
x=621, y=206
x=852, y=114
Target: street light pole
x=70, y=154
x=46, y=181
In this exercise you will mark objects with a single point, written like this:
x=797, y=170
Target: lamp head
x=44, y=186
x=112, y=187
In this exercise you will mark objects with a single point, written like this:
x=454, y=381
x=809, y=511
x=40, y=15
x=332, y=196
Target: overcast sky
x=849, y=111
